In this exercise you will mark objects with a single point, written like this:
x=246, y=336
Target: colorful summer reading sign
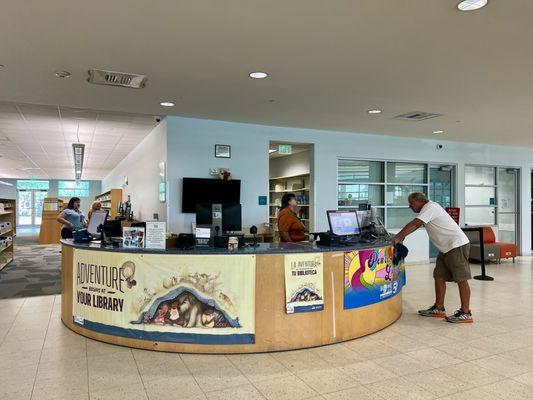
x=370, y=276
x=204, y=299
x=304, y=282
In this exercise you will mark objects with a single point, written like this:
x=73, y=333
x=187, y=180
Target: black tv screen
x=208, y=191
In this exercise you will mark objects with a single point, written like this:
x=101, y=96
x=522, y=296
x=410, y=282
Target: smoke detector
x=417, y=116
x=113, y=78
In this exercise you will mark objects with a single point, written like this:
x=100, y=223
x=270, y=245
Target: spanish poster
x=370, y=276
x=203, y=299
x=304, y=282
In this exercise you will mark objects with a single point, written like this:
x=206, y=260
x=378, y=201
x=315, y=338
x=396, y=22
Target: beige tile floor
x=416, y=358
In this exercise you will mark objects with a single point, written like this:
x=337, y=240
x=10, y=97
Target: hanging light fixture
x=79, y=152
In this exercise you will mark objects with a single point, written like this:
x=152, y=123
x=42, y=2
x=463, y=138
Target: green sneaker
x=433, y=311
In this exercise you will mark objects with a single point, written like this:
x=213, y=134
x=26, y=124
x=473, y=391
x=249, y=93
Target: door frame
x=33, y=208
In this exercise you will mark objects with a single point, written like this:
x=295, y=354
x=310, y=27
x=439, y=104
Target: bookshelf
x=297, y=184
x=8, y=230
x=110, y=201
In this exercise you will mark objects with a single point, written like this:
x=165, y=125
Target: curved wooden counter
x=275, y=330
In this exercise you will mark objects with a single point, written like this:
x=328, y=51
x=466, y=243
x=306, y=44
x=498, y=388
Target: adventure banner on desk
x=199, y=299
x=304, y=282
x=370, y=276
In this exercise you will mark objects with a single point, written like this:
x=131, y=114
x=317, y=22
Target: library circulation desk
x=275, y=296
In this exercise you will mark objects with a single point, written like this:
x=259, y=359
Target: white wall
x=295, y=164
x=141, y=167
x=191, y=154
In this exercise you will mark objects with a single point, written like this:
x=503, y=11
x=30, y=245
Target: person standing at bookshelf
x=71, y=218
x=291, y=229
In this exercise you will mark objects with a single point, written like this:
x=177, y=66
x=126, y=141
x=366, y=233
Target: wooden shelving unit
x=110, y=201
x=50, y=231
x=297, y=184
x=8, y=220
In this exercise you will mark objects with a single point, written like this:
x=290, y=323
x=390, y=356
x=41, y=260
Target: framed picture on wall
x=222, y=151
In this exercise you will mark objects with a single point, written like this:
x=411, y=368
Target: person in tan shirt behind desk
x=291, y=229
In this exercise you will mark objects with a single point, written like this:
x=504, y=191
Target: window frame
x=386, y=184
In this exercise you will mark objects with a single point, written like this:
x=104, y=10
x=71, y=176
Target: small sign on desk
x=156, y=235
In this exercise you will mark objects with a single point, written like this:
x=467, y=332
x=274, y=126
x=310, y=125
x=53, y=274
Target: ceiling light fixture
x=270, y=151
x=438, y=132
x=6, y=183
x=167, y=104
x=62, y=74
x=375, y=111
x=78, y=150
x=258, y=75
x=471, y=5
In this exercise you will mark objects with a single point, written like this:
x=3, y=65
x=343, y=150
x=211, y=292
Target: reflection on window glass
x=352, y=195
x=397, y=218
x=33, y=184
x=360, y=171
x=397, y=195
x=71, y=189
x=475, y=175
x=406, y=173
x=480, y=196
x=480, y=216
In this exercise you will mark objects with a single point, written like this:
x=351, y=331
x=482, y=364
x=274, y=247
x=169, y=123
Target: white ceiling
x=329, y=61
x=36, y=141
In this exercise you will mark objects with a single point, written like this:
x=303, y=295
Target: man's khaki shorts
x=453, y=266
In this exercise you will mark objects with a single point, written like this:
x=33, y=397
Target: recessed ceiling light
x=258, y=75
x=375, y=111
x=471, y=5
x=62, y=74
x=167, y=104
x=438, y=132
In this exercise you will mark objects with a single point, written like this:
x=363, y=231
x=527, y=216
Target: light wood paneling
x=275, y=330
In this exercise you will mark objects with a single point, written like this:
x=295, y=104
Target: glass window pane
x=480, y=216
x=406, y=173
x=352, y=195
x=507, y=181
x=397, y=218
x=397, y=194
x=480, y=196
x=475, y=175
x=33, y=184
x=507, y=228
x=360, y=171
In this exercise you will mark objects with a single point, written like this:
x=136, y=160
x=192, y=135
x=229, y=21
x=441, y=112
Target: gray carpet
x=35, y=270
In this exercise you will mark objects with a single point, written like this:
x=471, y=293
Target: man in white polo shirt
x=452, y=261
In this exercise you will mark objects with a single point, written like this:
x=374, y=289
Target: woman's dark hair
x=286, y=198
x=72, y=201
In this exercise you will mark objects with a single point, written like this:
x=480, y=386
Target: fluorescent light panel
x=79, y=151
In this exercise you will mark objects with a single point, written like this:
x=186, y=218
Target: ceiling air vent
x=112, y=78
x=417, y=116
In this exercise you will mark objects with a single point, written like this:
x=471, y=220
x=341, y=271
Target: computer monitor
x=204, y=214
x=231, y=217
x=97, y=218
x=138, y=225
x=113, y=228
x=343, y=223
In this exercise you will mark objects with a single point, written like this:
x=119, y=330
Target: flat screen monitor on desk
x=97, y=218
x=344, y=223
x=231, y=216
x=113, y=228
